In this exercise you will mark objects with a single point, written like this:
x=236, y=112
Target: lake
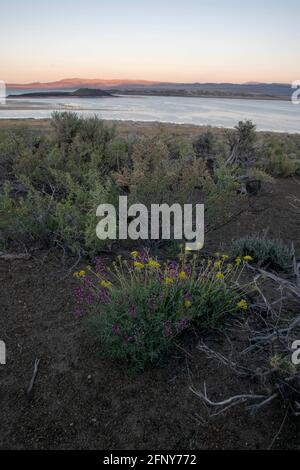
x=280, y=116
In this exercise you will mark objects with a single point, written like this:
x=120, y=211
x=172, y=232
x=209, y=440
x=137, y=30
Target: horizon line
x=140, y=81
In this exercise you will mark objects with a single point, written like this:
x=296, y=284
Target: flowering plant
x=140, y=307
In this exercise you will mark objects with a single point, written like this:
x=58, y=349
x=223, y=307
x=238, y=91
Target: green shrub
x=263, y=251
x=64, y=177
x=204, y=145
x=154, y=179
x=143, y=309
x=280, y=164
x=219, y=193
x=242, y=144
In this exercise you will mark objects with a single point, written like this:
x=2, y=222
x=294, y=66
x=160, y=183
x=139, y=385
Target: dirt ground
x=81, y=401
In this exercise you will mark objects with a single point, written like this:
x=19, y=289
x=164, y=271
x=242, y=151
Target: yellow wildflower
x=276, y=361
x=229, y=266
x=225, y=257
x=138, y=265
x=168, y=280
x=182, y=275
x=187, y=303
x=218, y=264
x=134, y=254
x=238, y=260
x=242, y=305
x=105, y=284
x=248, y=258
x=220, y=275
x=152, y=263
x=79, y=274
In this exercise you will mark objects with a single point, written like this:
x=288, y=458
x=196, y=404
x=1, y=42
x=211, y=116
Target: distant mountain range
x=254, y=90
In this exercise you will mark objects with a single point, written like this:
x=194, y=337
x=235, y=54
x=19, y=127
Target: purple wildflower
x=144, y=257
x=132, y=311
x=187, y=270
x=183, y=324
x=128, y=339
x=167, y=330
x=103, y=295
x=188, y=296
x=88, y=281
x=79, y=293
x=99, y=267
x=151, y=307
x=79, y=312
x=83, y=295
x=116, y=329
x=89, y=297
x=173, y=265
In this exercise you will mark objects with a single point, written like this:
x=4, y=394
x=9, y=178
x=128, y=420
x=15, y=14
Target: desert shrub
x=153, y=179
x=139, y=308
x=204, y=145
x=58, y=181
x=242, y=144
x=219, y=192
x=65, y=217
x=263, y=251
x=65, y=126
x=63, y=180
x=259, y=174
x=69, y=127
x=280, y=164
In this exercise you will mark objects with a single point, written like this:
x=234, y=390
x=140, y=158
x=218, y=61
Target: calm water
x=281, y=116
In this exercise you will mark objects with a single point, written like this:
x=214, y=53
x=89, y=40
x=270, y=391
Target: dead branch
x=229, y=402
x=12, y=256
x=35, y=371
x=211, y=354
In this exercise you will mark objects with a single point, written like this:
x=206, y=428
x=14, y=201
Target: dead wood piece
x=12, y=256
x=34, y=374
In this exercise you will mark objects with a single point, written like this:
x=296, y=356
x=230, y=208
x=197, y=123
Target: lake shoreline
x=130, y=126
x=268, y=115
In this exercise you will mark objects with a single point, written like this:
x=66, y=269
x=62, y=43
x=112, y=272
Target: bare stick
x=234, y=400
x=35, y=371
x=12, y=256
x=279, y=430
x=224, y=360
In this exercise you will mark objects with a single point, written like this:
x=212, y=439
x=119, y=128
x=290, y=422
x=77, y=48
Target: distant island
x=80, y=93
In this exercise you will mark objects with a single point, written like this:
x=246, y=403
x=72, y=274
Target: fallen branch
x=225, y=404
x=35, y=371
x=12, y=256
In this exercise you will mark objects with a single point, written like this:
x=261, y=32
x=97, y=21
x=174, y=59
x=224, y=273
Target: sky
x=164, y=40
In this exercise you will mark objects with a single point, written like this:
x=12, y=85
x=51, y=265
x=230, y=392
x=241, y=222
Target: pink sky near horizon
x=191, y=41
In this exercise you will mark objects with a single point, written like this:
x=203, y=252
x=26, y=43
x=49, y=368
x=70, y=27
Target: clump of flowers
x=139, y=307
x=79, y=274
x=242, y=305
